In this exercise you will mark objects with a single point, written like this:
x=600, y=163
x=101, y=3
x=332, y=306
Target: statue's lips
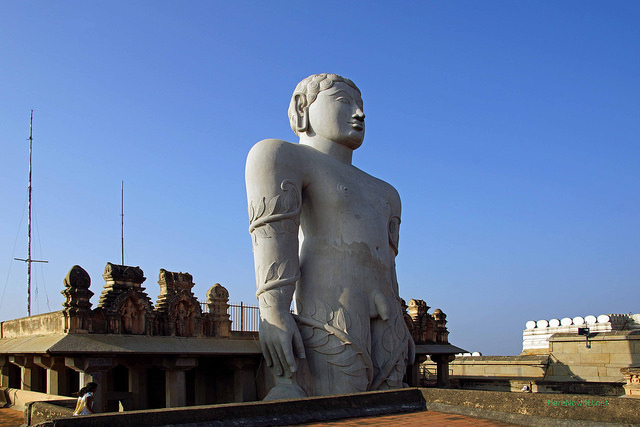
x=357, y=126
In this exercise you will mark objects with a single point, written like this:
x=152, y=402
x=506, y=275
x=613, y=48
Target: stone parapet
x=282, y=412
x=41, y=324
x=529, y=367
x=535, y=338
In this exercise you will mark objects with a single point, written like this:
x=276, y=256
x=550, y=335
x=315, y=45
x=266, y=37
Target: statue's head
x=306, y=93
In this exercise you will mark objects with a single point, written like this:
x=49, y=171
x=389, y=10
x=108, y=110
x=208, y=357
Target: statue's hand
x=280, y=339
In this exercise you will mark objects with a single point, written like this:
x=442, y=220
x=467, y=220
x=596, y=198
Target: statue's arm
x=274, y=184
x=394, y=238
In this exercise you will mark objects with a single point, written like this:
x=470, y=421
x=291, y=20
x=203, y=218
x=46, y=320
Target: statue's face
x=337, y=115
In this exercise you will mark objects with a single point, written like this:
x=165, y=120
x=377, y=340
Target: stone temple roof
x=77, y=344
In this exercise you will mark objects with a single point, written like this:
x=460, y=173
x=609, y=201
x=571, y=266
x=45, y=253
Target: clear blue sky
x=510, y=129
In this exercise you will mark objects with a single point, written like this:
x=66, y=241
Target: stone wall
x=42, y=324
x=601, y=361
x=496, y=366
x=573, y=363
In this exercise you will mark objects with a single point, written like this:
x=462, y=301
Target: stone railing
x=535, y=338
x=474, y=354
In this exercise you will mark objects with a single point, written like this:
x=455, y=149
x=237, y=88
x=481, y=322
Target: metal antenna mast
x=122, y=220
x=29, y=260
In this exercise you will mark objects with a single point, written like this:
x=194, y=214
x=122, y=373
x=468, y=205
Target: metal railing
x=244, y=317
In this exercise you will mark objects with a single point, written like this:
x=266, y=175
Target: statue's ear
x=302, y=113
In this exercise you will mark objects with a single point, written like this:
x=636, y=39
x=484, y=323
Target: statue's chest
x=349, y=193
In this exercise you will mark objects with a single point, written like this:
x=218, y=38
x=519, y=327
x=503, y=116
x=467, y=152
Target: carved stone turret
x=442, y=334
x=77, y=304
x=218, y=303
x=124, y=307
x=424, y=327
x=179, y=312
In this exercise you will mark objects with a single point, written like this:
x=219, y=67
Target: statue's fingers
x=285, y=352
x=298, y=345
x=277, y=360
x=267, y=354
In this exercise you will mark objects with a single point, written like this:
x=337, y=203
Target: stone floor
x=12, y=418
x=425, y=418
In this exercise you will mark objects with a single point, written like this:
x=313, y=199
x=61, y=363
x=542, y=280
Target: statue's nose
x=359, y=114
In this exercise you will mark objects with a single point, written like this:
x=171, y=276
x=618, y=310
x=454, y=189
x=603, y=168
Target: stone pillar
x=29, y=379
x=442, y=362
x=201, y=389
x=244, y=384
x=176, y=386
x=413, y=371
x=176, y=391
x=4, y=372
x=93, y=369
x=56, y=374
x=138, y=386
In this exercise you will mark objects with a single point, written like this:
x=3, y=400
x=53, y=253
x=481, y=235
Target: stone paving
x=12, y=418
x=425, y=418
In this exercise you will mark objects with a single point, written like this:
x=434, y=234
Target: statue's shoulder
x=273, y=145
x=392, y=194
x=274, y=157
x=389, y=190
x=275, y=150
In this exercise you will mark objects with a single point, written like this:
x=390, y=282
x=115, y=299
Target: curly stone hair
x=309, y=89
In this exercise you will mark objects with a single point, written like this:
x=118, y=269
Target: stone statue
x=327, y=233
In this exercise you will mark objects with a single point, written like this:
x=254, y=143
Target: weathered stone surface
x=284, y=412
x=41, y=324
x=178, y=310
x=218, y=303
x=77, y=291
x=77, y=304
x=348, y=333
x=124, y=306
x=534, y=408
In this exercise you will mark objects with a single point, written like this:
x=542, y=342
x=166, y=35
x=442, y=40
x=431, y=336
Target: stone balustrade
x=535, y=338
x=474, y=354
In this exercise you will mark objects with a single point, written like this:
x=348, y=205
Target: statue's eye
x=343, y=100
